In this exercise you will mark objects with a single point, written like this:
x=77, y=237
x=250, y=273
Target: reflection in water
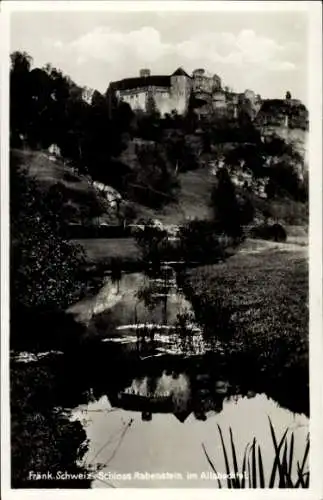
x=146, y=416
x=148, y=310
x=154, y=441
x=137, y=299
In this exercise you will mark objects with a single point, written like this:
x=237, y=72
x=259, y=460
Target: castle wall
x=136, y=98
x=166, y=99
x=203, y=83
x=219, y=100
x=173, y=92
x=168, y=103
x=217, y=84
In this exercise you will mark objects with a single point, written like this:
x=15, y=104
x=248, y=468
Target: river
x=156, y=394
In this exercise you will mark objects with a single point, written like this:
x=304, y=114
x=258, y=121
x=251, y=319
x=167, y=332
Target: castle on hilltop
x=173, y=92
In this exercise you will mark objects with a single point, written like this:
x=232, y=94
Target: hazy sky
x=263, y=51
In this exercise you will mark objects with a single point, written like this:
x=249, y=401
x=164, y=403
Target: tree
x=44, y=266
x=247, y=211
x=20, y=99
x=112, y=101
x=40, y=127
x=42, y=439
x=38, y=100
x=225, y=205
x=153, y=182
x=116, y=272
x=152, y=242
x=200, y=241
x=283, y=181
x=20, y=62
x=180, y=152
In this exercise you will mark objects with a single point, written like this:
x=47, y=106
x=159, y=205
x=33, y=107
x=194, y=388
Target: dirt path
x=255, y=246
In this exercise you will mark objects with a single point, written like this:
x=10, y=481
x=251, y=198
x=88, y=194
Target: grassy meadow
x=263, y=293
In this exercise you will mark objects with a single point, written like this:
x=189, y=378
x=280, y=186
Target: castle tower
x=217, y=84
x=144, y=73
x=180, y=89
x=198, y=79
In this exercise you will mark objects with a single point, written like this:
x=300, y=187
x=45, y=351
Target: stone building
x=169, y=92
x=173, y=92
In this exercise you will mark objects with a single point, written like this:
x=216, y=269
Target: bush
x=274, y=232
x=152, y=241
x=201, y=241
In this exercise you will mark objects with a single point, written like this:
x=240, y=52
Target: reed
x=286, y=471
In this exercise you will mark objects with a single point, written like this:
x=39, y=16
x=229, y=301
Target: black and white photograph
x=159, y=171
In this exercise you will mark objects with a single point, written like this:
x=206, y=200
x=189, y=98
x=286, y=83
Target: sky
x=262, y=51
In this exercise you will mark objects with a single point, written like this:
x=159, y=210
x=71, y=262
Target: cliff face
x=291, y=113
x=299, y=139
x=287, y=119
x=296, y=137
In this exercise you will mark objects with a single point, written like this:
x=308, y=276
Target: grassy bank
x=258, y=303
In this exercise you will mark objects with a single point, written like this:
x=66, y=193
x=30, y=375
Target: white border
x=315, y=253
x=154, y=5
x=314, y=9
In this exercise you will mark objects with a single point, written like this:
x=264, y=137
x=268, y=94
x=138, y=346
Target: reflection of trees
x=154, y=246
x=146, y=339
x=116, y=272
x=183, y=335
x=208, y=395
x=156, y=291
x=148, y=295
x=152, y=242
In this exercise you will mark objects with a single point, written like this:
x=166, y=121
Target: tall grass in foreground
x=251, y=473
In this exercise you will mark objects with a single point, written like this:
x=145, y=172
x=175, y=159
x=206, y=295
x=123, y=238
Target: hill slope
x=85, y=203
x=193, y=199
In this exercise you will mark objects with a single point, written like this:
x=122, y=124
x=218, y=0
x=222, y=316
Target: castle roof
x=139, y=82
x=180, y=72
x=146, y=81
